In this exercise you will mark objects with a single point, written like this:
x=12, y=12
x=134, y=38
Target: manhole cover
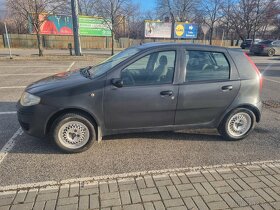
x=271, y=104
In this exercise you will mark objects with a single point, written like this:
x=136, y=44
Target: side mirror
x=117, y=83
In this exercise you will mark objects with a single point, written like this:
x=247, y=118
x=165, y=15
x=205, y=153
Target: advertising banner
x=62, y=25
x=93, y=26
x=54, y=24
x=185, y=30
x=154, y=29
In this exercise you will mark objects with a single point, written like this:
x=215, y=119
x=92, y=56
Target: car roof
x=172, y=44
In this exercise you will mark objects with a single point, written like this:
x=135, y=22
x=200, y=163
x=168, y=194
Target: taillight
x=256, y=69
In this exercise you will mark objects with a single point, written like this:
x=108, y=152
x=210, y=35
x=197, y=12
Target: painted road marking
x=9, y=145
x=28, y=74
x=12, y=87
x=271, y=80
x=187, y=170
x=3, y=113
x=72, y=64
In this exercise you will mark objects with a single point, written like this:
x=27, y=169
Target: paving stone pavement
x=254, y=185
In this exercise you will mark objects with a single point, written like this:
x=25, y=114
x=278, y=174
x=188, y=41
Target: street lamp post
x=77, y=44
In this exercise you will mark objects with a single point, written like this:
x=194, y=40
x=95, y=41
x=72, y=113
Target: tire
x=73, y=132
x=270, y=52
x=241, y=115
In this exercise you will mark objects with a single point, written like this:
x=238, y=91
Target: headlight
x=28, y=99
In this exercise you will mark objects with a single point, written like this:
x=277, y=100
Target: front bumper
x=33, y=119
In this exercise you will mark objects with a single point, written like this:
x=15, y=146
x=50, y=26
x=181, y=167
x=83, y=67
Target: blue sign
x=185, y=31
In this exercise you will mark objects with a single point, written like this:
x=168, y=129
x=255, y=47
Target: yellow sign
x=179, y=30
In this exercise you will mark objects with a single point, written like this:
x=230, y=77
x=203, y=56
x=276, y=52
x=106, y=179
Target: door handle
x=227, y=88
x=166, y=93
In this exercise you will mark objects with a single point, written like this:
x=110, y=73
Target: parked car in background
x=152, y=87
x=246, y=44
x=267, y=47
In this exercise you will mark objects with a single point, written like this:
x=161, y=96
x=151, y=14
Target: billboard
x=62, y=25
x=93, y=26
x=54, y=24
x=185, y=30
x=154, y=29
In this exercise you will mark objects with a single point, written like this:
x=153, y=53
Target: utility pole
x=8, y=40
x=77, y=44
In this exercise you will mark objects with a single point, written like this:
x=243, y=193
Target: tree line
x=235, y=19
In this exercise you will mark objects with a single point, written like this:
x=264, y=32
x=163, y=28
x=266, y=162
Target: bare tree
x=87, y=7
x=247, y=17
x=114, y=13
x=177, y=10
x=211, y=12
x=35, y=11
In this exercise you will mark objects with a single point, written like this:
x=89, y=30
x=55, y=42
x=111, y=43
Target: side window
x=155, y=68
x=206, y=66
x=276, y=43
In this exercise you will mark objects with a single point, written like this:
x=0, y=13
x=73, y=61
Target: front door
x=147, y=98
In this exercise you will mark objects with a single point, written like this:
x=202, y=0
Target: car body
x=267, y=47
x=152, y=87
x=246, y=44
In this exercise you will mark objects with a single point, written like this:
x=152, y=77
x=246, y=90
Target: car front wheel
x=238, y=124
x=73, y=132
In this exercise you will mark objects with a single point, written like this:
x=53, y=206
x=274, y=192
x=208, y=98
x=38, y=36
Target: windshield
x=106, y=65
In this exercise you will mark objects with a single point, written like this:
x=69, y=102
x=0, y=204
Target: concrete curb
x=133, y=174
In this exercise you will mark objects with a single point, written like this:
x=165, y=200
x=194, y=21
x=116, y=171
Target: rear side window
x=206, y=66
x=276, y=43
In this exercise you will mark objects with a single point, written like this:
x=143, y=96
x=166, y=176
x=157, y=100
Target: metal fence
x=87, y=42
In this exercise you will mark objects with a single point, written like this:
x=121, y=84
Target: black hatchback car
x=152, y=87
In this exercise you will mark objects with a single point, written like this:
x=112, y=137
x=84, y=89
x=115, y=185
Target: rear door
x=210, y=84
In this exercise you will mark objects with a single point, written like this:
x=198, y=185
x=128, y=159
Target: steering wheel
x=207, y=67
x=130, y=77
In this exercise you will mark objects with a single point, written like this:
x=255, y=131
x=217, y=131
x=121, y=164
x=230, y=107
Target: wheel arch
x=245, y=106
x=72, y=110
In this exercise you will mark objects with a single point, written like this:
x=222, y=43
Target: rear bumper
x=33, y=119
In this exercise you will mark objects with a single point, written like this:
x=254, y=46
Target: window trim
x=185, y=81
x=162, y=50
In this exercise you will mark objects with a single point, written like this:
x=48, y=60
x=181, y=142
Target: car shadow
x=188, y=135
x=30, y=145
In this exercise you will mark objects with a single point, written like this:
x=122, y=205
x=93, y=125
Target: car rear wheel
x=270, y=53
x=73, y=132
x=238, y=124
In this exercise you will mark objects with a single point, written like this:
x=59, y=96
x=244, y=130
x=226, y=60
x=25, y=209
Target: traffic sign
x=185, y=31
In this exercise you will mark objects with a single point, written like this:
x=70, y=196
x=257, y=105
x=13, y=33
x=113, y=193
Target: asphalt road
x=36, y=160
